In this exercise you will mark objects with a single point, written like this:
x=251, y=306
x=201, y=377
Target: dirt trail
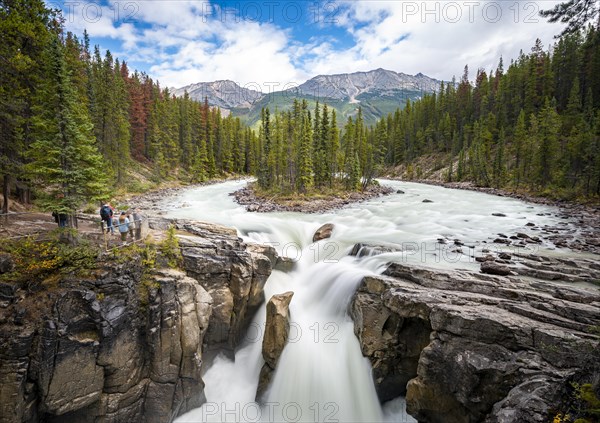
x=19, y=225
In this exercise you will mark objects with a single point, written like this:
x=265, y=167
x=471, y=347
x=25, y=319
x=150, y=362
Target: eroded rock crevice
x=392, y=342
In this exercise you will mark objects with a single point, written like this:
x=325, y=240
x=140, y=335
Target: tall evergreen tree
x=64, y=157
x=546, y=158
x=576, y=13
x=25, y=31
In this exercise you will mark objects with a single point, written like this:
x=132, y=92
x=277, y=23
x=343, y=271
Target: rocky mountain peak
x=379, y=92
x=378, y=82
x=225, y=94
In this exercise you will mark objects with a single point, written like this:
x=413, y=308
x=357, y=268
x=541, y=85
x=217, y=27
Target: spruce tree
x=333, y=148
x=64, y=158
x=519, y=140
x=546, y=158
x=25, y=31
x=305, y=168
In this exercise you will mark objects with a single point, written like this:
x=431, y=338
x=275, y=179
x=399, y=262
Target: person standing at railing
x=106, y=213
x=61, y=219
x=123, y=227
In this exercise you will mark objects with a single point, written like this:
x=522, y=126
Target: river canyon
x=433, y=236
x=430, y=304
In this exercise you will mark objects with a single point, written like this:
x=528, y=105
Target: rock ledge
x=463, y=346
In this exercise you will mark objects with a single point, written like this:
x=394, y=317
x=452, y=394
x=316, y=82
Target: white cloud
x=442, y=36
x=247, y=53
x=192, y=41
x=99, y=21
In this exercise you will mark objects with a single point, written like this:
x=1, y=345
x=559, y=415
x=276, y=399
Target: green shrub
x=138, y=187
x=585, y=392
x=169, y=249
x=43, y=261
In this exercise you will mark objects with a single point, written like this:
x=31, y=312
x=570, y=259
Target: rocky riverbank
x=468, y=347
x=254, y=203
x=585, y=217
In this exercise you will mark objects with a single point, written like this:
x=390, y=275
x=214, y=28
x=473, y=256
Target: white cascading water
x=321, y=375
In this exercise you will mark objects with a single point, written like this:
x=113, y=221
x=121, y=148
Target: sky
x=272, y=45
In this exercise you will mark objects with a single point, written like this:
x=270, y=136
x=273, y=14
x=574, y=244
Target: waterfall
x=321, y=375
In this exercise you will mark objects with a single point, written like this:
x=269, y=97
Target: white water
x=322, y=375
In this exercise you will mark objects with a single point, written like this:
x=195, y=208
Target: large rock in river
x=323, y=232
x=492, y=268
x=277, y=328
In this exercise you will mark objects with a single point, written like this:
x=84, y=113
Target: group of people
x=127, y=222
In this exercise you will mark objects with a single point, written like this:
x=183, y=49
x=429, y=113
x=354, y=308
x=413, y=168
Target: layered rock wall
x=233, y=273
x=126, y=344
x=467, y=347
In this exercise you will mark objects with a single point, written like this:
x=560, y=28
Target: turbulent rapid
x=322, y=375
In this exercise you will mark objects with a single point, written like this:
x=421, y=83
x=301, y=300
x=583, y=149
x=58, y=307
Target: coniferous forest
x=532, y=126
x=74, y=123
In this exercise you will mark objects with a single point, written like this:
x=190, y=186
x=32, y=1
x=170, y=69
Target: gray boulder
x=277, y=328
x=323, y=232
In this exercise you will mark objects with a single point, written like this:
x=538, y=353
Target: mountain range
x=378, y=92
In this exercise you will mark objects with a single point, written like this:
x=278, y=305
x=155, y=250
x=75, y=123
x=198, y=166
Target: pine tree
x=333, y=148
x=577, y=13
x=499, y=170
x=305, y=169
x=198, y=164
x=110, y=112
x=520, y=137
x=185, y=130
x=64, y=157
x=138, y=116
x=265, y=177
x=460, y=170
x=349, y=154
x=529, y=149
x=25, y=32
x=321, y=143
x=593, y=170
x=546, y=158
x=354, y=179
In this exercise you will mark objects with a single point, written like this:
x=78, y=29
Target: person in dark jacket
x=61, y=219
x=106, y=214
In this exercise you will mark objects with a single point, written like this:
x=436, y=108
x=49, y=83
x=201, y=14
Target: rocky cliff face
x=466, y=347
x=125, y=345
x=233, y=273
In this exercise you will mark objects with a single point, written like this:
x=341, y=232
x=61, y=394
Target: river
x=322, y=375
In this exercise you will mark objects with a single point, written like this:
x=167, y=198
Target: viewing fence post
x=104, y=235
